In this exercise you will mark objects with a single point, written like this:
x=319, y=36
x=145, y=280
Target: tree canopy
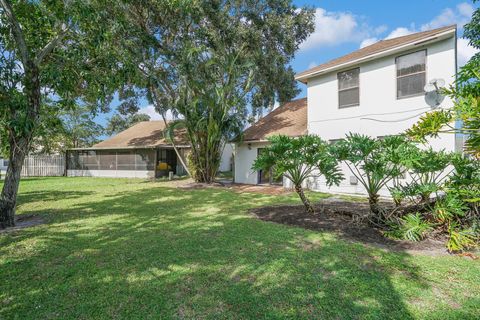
x=213, y=62
x=464, y=118
x=53, y=54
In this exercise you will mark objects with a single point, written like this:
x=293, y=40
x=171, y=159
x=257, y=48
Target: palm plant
x=427, y=168
x=299, y=159
x=374, y=162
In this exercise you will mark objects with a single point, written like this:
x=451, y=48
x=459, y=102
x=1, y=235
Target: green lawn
x=131, y=249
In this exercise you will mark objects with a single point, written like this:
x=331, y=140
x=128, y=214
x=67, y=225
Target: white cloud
x=464, y=51
x=466, y=9
x=380, y=29
x=154, y=115
x=334, y=28
x=312, y=64
x=459, y=15
x=400, y=32
x=368, y=41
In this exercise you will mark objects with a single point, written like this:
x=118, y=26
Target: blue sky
x=343, y=26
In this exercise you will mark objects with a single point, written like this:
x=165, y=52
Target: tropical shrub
x=460, y=239
x=427, y=169
x=411, y=227
x=374, y=162
x=452, y=212
x=299, y=159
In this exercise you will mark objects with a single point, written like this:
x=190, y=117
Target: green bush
x=411, y=227
x=375, y=163
x=299, y=159
x=461, y=239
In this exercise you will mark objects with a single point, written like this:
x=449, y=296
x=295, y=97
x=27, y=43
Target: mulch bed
x=338, y=216
x=24, y=221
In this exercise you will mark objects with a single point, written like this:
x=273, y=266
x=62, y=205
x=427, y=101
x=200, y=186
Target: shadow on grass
x=57, y=195
x=168, y=253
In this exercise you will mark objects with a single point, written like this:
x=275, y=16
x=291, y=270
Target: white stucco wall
x=244, y=158
x=2, y=164
x=226, y=162
x=377, y=100
x=112, y=173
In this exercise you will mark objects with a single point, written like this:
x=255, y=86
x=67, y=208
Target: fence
x=44, y=166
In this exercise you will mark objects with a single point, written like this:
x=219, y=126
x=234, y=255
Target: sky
x=343, y=26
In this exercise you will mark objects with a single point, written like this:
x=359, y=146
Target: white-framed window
x=411, y=74
x=349, y=88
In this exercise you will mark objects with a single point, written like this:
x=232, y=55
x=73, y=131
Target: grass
x=132, y=249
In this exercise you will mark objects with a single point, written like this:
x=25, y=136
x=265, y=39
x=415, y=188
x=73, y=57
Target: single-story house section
x=289, y=119
x=138, y=152
x=3, y=166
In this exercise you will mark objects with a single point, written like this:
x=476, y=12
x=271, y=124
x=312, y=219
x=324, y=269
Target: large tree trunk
x=8, y=197
x=19, y=146
x=306, y=202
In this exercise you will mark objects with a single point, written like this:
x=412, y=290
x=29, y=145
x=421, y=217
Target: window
x=349, y=88
x=5, y=162
x=411, y=74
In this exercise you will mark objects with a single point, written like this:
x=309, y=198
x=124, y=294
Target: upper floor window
x=349, y=88
x=411, y=74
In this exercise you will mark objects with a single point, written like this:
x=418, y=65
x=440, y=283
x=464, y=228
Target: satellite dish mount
x=433, y=95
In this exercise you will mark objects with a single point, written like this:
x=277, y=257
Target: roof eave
x=435, y=38
x=128, y=147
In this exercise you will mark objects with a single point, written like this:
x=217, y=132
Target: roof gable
x=289, y=119
x=374, y=49
x=145, y=134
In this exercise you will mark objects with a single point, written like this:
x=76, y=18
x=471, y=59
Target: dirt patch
x=198, y=185
x=338, y=216
x=24, y=221
x=262, y=189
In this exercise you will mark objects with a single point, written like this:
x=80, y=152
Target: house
x=3, y=165
x=288, y=119
x=377, y=90
x=141, y=151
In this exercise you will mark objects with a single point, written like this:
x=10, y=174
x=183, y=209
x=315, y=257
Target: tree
x=374, y=162
x=119, y=122
x=464, y=117
x=63, y=129
x=299, y=159
x=207, y=61
x=49, y=50
x=79, y=128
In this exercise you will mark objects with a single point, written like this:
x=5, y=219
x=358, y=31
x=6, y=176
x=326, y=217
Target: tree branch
x=16, y=30
x=51, y=45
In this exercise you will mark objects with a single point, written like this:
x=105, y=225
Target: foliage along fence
x=44, y=166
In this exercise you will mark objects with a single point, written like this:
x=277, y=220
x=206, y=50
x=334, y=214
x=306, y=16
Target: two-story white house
x=377, y=90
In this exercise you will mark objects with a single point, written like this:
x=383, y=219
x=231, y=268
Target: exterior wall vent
x=353, y=180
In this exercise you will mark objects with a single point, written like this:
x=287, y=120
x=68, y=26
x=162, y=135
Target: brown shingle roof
x=375, y=48
x=146, y=134
x=289, y=119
